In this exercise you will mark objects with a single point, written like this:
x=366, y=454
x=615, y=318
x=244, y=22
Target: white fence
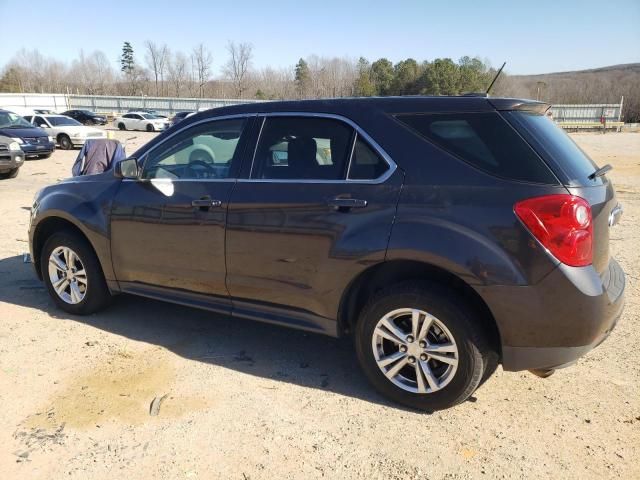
x=25, y=103
x=592, y=113
x=162, y=105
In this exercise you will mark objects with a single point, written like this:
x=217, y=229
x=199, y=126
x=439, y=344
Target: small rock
x=91, y=343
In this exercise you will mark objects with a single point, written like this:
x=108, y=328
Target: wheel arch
x=391, y=272
x=47, y=227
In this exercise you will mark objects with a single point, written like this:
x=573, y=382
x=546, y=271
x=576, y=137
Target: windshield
x=148, y=116
x=556, y=146
x=12, y=120
x=61, y=121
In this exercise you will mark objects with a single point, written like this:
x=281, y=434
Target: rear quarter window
x=484, y=140
x=556, y=146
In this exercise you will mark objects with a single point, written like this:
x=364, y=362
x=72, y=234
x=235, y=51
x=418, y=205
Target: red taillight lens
x=562, y=223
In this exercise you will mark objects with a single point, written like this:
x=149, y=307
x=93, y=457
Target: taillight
x=563, y=224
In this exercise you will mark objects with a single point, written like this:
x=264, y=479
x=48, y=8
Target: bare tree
x=177, y=72
x=236, y=69
x=201, y=60
x=91, y=74
x=157, y=57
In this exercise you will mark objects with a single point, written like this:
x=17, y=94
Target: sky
x=531, y=36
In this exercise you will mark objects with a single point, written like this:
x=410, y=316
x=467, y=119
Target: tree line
x=155, y=70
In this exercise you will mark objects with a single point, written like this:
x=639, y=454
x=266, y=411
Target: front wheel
x=73, y=275
x=419, y=345
x=150, y=128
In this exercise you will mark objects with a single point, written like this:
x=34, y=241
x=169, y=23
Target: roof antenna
x=495, y=78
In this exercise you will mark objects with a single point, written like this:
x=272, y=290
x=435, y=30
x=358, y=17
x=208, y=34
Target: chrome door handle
x=347, y=203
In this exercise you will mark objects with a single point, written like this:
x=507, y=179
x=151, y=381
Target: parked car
x=140, y=121
x=445, y=234
x=34, y=141
x=86, y=117
x=11, y=157
x=43, y=111
x=68, y=132
x=179, y=116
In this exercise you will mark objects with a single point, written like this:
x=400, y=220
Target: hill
x=596, y=85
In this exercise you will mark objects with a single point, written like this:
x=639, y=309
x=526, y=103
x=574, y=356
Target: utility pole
x=539, y=85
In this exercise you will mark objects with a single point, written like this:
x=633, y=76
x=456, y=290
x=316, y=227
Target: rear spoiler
x=522, y=105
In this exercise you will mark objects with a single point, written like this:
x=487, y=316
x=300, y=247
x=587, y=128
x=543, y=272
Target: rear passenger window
x=302, y=148
x=366, y=164
x=485, y=140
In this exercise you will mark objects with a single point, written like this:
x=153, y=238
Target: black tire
x=10, y=174
x=150, y=127
x=97, y=295
x=65, y=142
x=122, y=126
x=474, y=353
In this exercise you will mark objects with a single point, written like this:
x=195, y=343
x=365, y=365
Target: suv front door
x=315, y=211
x=167, y=227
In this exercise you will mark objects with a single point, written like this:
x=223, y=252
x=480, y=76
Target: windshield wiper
x=600, y=172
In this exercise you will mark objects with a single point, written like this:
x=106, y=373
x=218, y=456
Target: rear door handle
x=347, y=203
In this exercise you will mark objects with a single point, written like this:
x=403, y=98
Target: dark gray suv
x=445, y=234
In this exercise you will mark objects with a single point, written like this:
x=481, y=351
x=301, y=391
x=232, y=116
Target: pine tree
x=127, y=61
x=303, y=78
x=364, y=87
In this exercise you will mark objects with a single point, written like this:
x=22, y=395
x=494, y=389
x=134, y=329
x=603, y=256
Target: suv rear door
x=167, y=227
x=315, y=209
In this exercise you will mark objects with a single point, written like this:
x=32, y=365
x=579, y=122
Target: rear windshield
x=485, y=140
x=555, y=145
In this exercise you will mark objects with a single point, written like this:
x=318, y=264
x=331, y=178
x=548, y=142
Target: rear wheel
x=122, y=126
x=65, y=142
x=419, y=345
x=150, y=128
x=73, y=275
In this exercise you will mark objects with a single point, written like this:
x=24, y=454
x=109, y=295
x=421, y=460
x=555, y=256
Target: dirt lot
x=247, y=400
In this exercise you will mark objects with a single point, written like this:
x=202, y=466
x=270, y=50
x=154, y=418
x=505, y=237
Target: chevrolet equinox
x=446, y=235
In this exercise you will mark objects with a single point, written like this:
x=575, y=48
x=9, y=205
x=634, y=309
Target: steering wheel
x=200, y=164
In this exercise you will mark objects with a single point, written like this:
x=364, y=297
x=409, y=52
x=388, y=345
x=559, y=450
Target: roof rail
x=475, y=94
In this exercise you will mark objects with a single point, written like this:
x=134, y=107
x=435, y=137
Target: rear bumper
x=553, y=323
x=79, y=142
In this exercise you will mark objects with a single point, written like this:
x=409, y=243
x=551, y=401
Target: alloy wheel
x=415, y=350
x=67, y=275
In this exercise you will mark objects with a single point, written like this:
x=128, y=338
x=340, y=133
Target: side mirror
x=127, y=168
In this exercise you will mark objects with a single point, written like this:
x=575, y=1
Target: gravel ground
x=248, y=401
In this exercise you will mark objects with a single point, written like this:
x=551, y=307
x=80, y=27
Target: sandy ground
x=249, y=401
